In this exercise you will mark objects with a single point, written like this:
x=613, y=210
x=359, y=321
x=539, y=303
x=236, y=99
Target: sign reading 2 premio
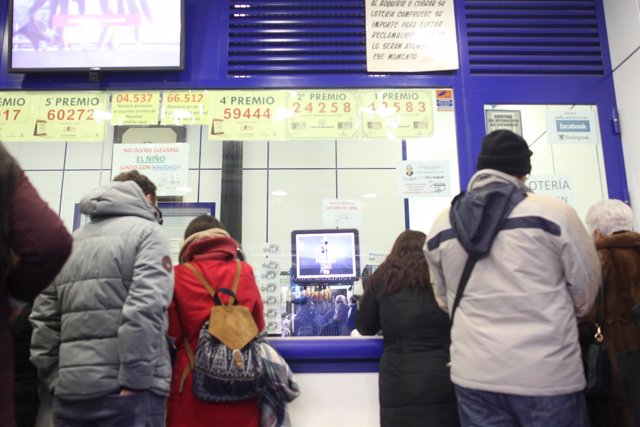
x=411, y=35
x=576, y=126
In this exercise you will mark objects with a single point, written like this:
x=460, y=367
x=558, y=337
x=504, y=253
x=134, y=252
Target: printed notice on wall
x=341, y=213
x=503, y=119
x=424, y=179
x=411, y=35
x=167, y=165
x=71, y=116
x=575, y=126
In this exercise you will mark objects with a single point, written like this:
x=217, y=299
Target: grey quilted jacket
x=101, y=325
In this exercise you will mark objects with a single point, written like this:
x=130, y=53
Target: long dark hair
x=8, y=180
x=405, y=266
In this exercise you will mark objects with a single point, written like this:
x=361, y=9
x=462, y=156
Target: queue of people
x=479, y=318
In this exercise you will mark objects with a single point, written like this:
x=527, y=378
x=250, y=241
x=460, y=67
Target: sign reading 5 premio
x=70, y=116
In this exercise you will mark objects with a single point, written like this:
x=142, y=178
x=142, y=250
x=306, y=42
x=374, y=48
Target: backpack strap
x=214, y=294
x=464, y=279
x=207, y=286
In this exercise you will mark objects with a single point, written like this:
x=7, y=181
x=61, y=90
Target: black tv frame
x=92, y=71
x=339, y=279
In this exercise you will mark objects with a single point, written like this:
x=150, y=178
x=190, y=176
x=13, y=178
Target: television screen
x=81, y=35
x=320, y=256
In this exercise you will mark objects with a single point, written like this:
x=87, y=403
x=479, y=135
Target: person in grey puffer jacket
x=515, y=356
x=99, y=331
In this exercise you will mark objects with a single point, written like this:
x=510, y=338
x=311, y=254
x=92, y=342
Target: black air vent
x=504, y=37
x=296, y=37
x=520, y=37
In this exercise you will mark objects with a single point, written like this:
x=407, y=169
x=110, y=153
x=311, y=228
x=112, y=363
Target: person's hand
x=126, y=392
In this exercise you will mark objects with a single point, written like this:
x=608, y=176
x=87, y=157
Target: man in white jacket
x=515, y=356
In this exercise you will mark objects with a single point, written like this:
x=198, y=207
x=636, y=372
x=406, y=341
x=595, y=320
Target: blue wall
x=556, y=54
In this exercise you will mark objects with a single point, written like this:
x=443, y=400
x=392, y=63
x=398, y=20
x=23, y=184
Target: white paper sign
x=411, y=35
x=341, y=213
x=424, y=179
x=576, y=126
x=167, y=165
x=503, y=119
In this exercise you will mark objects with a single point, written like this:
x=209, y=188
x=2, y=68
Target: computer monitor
x=325, y=256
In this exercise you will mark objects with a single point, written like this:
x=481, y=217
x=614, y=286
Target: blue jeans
x=141, y=409
x=486, y=409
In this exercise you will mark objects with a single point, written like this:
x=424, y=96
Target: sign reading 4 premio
x=248, y=115
x=70, y=116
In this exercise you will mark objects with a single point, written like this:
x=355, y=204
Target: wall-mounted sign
x=322, y=114
x=17, y=116
x=503, y=119
x=341, y=213
x=575, y=126
x=70, y=116
x=424, y=179
x=248, y=115
x=135, y=108
x=167, y=165
x=396, y=113
x=411, y=35
x=185, y=108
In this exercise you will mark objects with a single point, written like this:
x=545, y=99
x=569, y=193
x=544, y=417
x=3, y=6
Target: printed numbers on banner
x=399, y=107
x=246, y=113
x=322, y=107
x=185, y=98
x=69, y=114
x=10, y=115
x=134, y=97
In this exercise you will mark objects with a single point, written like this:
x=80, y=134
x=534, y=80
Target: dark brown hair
x=405, y=266
x=201, y=223
x=8, y=182
x=148, y=187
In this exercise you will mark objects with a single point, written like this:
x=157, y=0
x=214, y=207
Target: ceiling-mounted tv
x=95, y=35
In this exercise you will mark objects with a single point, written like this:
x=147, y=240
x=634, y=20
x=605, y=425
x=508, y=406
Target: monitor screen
x=81, y=35
x=325, y=256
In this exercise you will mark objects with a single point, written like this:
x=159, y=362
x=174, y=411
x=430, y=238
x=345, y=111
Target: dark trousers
x=142, y=409
x=483, y=408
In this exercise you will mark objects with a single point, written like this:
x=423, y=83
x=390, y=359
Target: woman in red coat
x=210, y=249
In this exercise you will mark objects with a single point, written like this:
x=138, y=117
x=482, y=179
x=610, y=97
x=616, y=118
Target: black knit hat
x=505, y=151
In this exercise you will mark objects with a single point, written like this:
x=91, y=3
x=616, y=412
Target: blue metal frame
x=319, y=355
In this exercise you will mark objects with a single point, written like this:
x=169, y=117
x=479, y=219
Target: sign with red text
x=17, y=116
x=341, y=213
x=396, y=113
x=411, y=35
x=135, y=108
x=70, y=116
x=181, y=108
x=248, y=115
x=322, y=114
x=167, y=165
